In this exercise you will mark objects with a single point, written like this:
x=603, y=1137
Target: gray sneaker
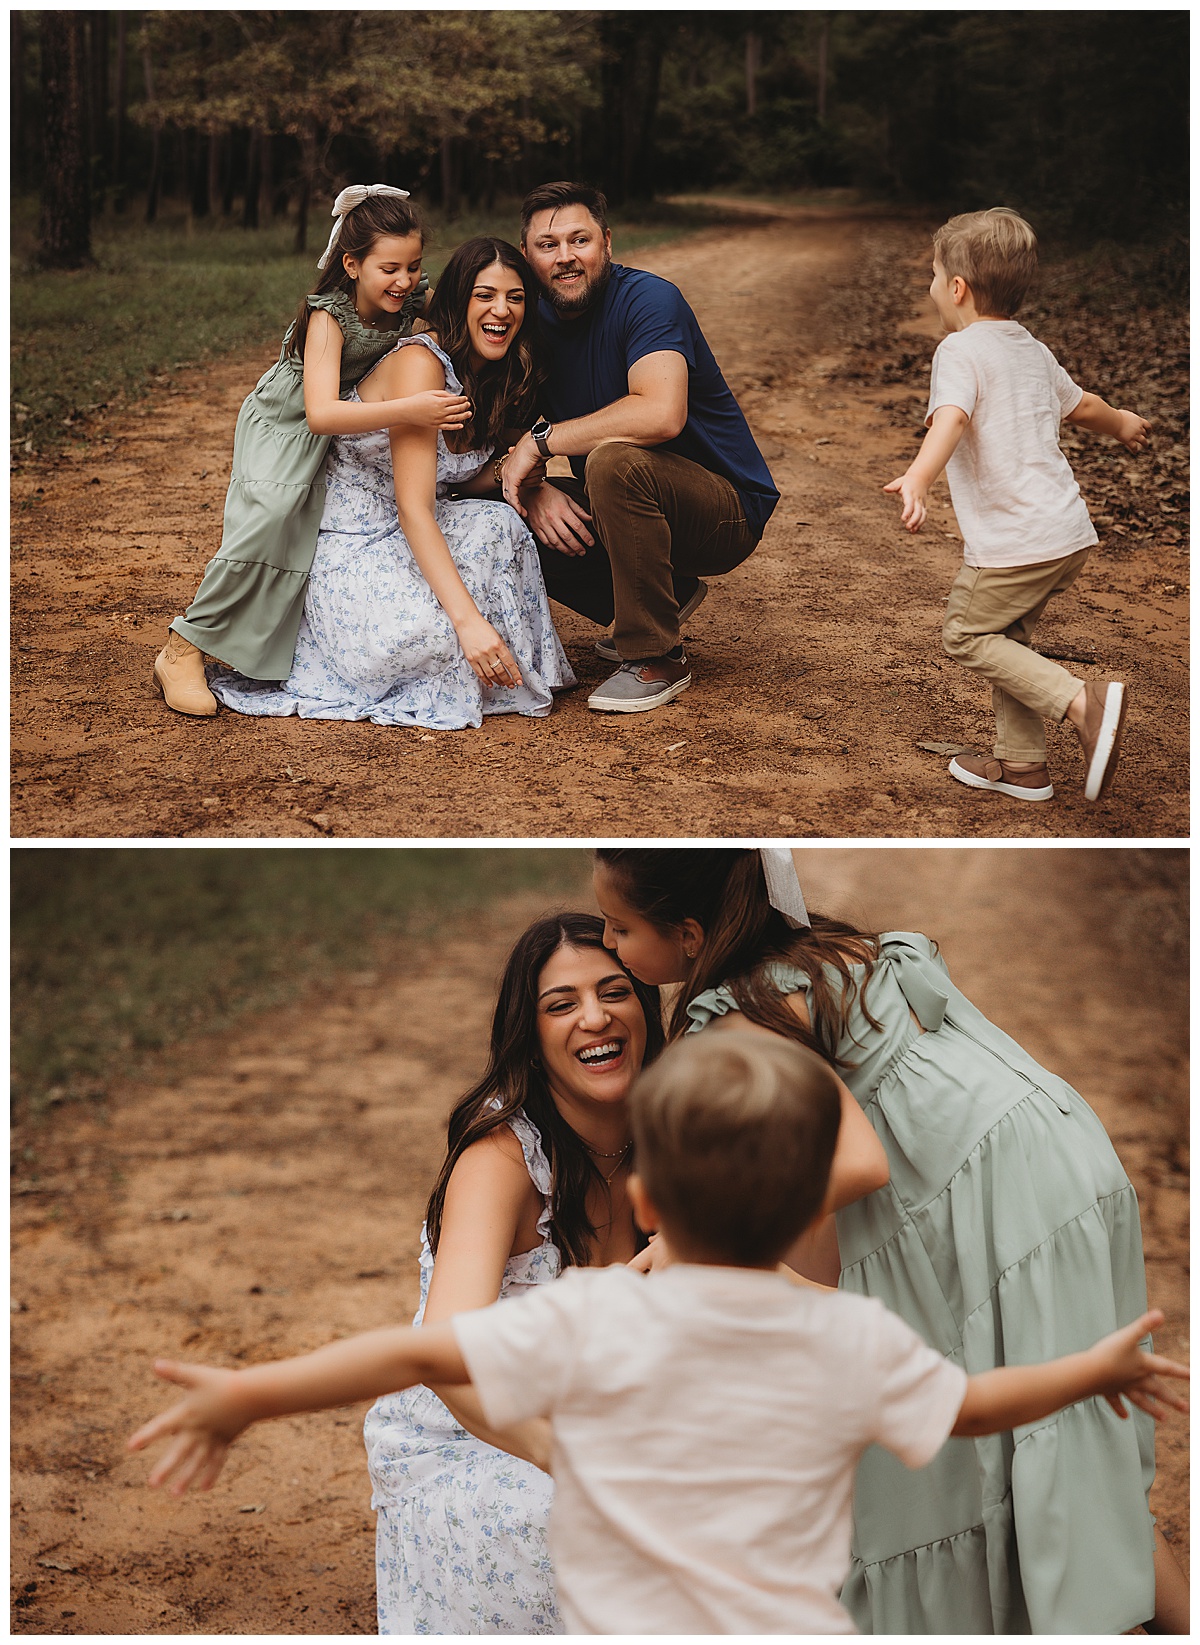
x=606, y=646
x=647, y=683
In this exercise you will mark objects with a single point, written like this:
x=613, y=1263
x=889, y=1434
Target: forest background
x=177, y=163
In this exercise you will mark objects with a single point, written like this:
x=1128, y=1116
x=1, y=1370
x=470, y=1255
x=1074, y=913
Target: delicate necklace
x=620, y=1157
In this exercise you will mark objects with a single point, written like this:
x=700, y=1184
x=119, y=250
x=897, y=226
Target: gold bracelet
x=498, y=470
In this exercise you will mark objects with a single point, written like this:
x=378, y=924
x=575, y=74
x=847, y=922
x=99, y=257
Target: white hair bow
x=346, y=201
x=783, y=885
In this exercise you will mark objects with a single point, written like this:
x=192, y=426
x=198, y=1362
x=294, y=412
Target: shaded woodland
x=1078, y=118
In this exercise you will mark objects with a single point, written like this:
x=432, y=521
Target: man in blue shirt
x=668, y=485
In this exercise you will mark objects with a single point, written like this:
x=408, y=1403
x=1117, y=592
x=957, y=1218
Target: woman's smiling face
x=652, y=955
x=591, y=1029
x=495, y=313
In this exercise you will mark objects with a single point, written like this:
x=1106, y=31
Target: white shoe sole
x=632, y=705
x=1108, y=741
x=1013, y=790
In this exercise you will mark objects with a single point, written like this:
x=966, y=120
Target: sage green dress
x=248, y=607
x=1009, y=1233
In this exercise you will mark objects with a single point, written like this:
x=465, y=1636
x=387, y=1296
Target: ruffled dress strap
x=536, y=1164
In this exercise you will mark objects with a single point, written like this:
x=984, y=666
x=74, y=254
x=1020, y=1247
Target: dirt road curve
x=818, y=667
x=255, y=1196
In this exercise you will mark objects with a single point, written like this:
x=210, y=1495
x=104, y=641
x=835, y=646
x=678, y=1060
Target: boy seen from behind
x=705, y=1419
x=997, y=397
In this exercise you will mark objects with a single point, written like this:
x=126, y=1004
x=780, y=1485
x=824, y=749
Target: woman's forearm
x=436, y=565
x=860, y=1162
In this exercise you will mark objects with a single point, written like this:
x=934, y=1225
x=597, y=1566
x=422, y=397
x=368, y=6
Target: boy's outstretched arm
x=937, y=448
x=1126, y=426
x=220, y=1404
x=1115, y=1368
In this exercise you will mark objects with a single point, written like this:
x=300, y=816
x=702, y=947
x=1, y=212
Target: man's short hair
x=552, y=196
x=734, y=1134
x=995, y=252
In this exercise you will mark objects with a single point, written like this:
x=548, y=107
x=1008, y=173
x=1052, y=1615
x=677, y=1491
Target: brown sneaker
x=179, y=676
x=647, y=683
x=1100, y=738
x=982, y=771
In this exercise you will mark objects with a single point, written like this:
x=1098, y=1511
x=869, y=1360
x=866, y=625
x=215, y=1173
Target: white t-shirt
x=1015, y=496
x=707, y=1422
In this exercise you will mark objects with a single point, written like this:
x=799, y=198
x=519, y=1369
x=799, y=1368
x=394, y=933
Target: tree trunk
x=253, y=181
x=449, y=179
x=630, y=73
x=64, y=236
x=308, y=170
x=213, y=190
x=120, y=97
x=823, y=69
x=97, y=37
x=753, y=64
x=16, y=81
x=266, y=195
x=154, y=186
x=195, y=167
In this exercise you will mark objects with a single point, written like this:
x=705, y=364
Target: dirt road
x=818, y=665
x=254, y=1196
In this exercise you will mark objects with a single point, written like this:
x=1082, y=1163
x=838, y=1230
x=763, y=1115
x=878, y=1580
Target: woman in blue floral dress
x=534, y=1181
x=425, y=604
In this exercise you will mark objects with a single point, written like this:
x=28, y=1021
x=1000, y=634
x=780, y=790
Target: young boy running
x=996, y=399
x=706, y=1420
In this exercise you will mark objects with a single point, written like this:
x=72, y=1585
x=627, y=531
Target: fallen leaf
x=946, y=748
x=673, y=746
x=253, y=1508
x=56, y=1565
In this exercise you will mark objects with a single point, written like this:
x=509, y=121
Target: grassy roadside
x=181, y=293
x=118, y=954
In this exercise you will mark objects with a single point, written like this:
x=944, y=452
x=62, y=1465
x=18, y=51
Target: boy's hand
x=1122, y=1369
x=656, y=1255
x=436, y=408
x=206, y=1423
x=912, y=493
x=1133, y=431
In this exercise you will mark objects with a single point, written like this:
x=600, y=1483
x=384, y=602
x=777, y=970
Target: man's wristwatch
x=541, y=432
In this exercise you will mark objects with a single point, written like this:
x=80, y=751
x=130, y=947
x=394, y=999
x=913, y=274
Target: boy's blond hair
x=734, y=1135
x=995, y=252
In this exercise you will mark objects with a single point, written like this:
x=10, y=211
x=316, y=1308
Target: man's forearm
x=635, y=418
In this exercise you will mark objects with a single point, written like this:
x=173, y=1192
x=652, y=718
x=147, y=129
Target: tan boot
x=179, y=676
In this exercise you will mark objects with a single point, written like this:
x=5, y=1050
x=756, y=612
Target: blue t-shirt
x=641, y=314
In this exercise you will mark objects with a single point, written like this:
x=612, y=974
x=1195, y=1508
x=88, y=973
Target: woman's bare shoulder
x=408, y=370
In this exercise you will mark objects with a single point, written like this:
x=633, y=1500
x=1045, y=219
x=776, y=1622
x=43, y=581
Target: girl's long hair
x=725, y=892
x=503, y=394
x=514, y=1082
x=379, y=215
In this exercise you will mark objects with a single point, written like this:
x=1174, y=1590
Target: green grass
x=119, y=954
x=181, y=292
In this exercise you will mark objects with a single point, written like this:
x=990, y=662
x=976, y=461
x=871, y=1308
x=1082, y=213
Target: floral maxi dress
x=374, y=644
x=460, y=1540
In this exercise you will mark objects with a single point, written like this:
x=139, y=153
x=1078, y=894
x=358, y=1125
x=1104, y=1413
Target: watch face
x=541, y=428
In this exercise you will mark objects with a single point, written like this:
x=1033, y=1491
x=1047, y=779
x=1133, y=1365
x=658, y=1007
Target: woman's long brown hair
x=725, y=892
x=503, y=393
x=379, y=215
x=515, y=1083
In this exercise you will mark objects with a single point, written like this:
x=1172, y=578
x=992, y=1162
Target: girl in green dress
x=1004, y=1230
x=248, y=607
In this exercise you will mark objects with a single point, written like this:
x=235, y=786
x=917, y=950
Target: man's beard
x=577, y=301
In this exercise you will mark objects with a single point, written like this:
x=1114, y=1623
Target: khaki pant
x=660, y=521
x=990, y=618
